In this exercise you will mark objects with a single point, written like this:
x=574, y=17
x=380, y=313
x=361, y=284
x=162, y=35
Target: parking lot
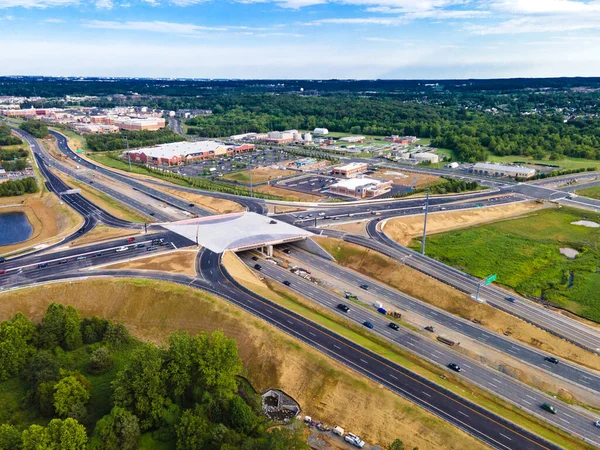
x=311, y=184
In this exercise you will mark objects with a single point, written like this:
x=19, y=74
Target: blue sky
x=300, y=38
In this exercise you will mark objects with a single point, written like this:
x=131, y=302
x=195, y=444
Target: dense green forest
x=35, y=128
x=6, y=138
x=117, y=141
x=73, y=383
x=13, y=188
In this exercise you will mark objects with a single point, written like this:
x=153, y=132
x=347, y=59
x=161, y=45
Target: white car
x=597, y=423
x=354, y=440
x=122, y=249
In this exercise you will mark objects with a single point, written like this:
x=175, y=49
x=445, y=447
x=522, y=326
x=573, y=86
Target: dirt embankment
x=326, y=390
x=423, y=287
x=415, y=180
x=404, y=229
x=180, y=261
x=217, y=205
x=49, y=219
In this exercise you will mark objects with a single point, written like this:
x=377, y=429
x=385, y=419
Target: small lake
x=14, y=227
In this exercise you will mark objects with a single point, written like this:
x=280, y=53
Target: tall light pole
x=425, y=223
x=128, y=155
x=251, y=180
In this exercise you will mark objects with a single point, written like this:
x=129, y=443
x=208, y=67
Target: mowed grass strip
x=525, y=253
x=591, y=192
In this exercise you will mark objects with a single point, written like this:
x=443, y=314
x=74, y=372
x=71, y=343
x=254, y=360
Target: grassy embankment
x=358, y=334
x=524, y=252
x=259, y=175
x=592, y=192
x=324, y=388
x=103, y=200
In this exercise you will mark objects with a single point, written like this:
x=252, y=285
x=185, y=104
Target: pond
x=14, y=227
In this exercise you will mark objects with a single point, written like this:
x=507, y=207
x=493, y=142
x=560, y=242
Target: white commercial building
x=352, y=139
x=321, y=131
x=351, y=169
x=361, y=187
x=503, y=171
x=425, y=157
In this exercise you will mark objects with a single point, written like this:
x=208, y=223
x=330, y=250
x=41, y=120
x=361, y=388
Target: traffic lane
x=568, y=372
x=173, y=201
x=526, y=398
x=27, y=260
x=567, y=328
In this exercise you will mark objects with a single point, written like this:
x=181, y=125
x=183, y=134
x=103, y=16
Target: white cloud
x=536, y=25
x=54, y=20
x=104, y=4
x=546, y=7
x=152, y=27
x=36, y=3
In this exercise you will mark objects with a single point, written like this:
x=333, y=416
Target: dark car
x=42, y=265
x=152, y=214
x=394, y=326
x=430, y=328
x=548, y=407
x=287, y=283
x=152, y=249
x=255, y=258
x=140, y=246
x=2, y=260
x=364, y=286
x=257, y=266
x=63, y=261
x=287, y=251
x=343, y=307
x=162, y=244
x=511, y=299
x=81, y=230
x=191, y=205
x=2, y=272
x=551, y=359
x=368, y=325
x=454, y=367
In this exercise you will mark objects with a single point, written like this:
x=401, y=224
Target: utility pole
x=251, y=181
x=425, y=223
x=128, y=155
x=197, y=230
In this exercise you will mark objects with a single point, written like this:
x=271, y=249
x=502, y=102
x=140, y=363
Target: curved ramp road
x=558, y=324
x=572, y=420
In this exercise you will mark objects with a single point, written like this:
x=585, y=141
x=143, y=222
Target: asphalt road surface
x=527, y=398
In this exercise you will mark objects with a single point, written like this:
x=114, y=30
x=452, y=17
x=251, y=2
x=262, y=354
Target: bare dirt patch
x=288, y=194
x=179, y=261
x=217, y=205
x=416, y=180
x=102, y=233
x=354, y=227
x=50, y=220
x=259, y=174
x=404, y=229
x=325, y=389
x=425, y=288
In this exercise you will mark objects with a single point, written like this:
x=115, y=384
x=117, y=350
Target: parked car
x=354, y=440
x=551, y=359
x=454, y=367
x=343, y=307
x=548, y=407
x=394, y=326
x=368, y=325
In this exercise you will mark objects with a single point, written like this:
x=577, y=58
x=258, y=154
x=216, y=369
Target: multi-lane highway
x=572, y=420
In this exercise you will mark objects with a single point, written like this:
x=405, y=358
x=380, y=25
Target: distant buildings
x=361, y=187
x=351, y=170
x=321, y=131
x=502, y=171
x=425, y=157
x=404, y=140
x=180, y=152
x=353, y=139
x=131, y=124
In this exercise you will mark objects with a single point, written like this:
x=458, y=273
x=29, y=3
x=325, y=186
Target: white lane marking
x=526, y=402
x=312, y=334
x=362, y=360
x=492, y=384
x=428, y=395
x=532, y=398
x=505, y=436
x=564, y=420
x=337, y=346
x=464, y=414
x=392, y=376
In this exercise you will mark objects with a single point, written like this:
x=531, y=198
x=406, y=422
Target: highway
x=563, y=326
x=572, y=420
x=587, y=379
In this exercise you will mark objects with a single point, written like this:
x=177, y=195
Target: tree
x=60, y=434
x=180, y=362
x=396, y=445
x=119, y=430
x=218, y=364
x=192, y=430
x=141, y=387
x=10, y=437
x=241, y=416
x=52, y=328
x=116, y=334
x=44, y=396
x=15, y=345
x=93, y=329
x=72, y=338
x=70, y=393
x=100, y=361
x=42, y=367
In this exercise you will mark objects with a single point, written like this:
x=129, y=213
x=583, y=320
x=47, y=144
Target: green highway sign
x=490, y=279
x=79, y=151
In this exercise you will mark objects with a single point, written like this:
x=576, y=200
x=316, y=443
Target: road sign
x=490, y=279
x=79, y=151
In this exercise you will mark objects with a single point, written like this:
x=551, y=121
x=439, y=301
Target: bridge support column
x=270, y=251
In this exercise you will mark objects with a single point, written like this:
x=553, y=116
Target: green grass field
x=593, y=192
x=567, y=163
x=524, y=252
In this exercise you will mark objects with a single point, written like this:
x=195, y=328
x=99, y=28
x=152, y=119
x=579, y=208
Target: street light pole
x=251, y=181
x=425, y=223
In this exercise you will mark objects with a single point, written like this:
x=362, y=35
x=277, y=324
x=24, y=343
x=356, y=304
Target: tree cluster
x=6, y=138
x=36, y=128
x=13, y=188
x=184, y=395
x=117, y=141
